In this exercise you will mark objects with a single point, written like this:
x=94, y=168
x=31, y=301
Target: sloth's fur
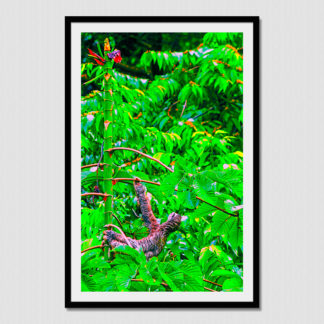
x=153, y=244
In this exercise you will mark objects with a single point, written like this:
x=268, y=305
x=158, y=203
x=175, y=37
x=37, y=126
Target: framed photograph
x=162, y=162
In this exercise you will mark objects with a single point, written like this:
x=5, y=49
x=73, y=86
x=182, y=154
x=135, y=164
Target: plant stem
x=108, y=105
x=183, y=109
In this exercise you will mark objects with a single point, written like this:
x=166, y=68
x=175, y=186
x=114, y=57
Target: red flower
x=100, y=60
x=115, y=55
x=117, y=58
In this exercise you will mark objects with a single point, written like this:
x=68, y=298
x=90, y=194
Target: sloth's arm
x=147, y=214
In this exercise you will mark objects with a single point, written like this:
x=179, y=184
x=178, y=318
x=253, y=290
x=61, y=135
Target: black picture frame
x=256, y=187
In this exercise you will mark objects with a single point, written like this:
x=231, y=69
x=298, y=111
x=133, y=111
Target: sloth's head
x=174, y=217
x=172, y=224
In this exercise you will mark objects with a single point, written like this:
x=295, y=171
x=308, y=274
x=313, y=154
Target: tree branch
x=133, y=179
x=95, y=194
x=213, y=283
x=91, y=248
x=158, y=184
x=92, y=165
x=139, y=152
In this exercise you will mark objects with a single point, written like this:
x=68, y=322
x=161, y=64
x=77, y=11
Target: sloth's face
x=174, y=216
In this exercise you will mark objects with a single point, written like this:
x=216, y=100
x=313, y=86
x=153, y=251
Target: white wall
x=32, y=163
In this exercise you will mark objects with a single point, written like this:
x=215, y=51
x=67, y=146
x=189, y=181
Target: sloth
x=152, y=244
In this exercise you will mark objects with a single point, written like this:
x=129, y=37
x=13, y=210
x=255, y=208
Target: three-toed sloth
x=153, y=244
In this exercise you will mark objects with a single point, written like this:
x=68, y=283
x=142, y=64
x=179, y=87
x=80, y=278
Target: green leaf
x=99, y=49
x=87, y=283
x=203, y=210
x=229, y=225
x=137, y=256
x=192, y=276
x=124, y=276
x=233, y=284
x=225, y=273
x=169, y=182
x=163, y=122
x=233, y=179
x=188, y=199
x=167, y=278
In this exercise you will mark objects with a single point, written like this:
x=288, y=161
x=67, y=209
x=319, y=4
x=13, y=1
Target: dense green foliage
x=178, y=98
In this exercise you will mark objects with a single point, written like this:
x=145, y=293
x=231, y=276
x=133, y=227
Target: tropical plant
x=174, y=120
